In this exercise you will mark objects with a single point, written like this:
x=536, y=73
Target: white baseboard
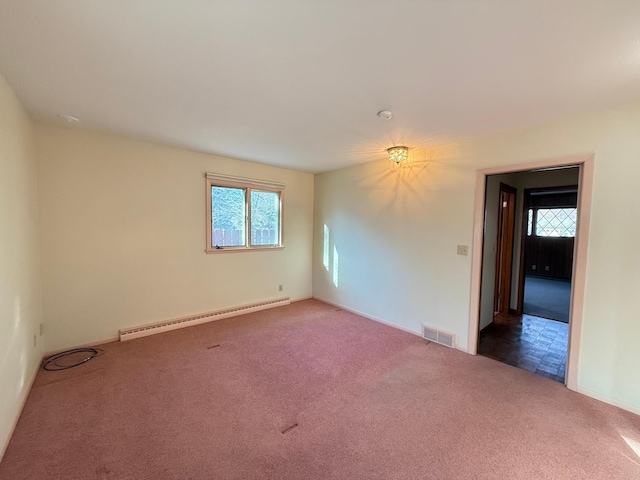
x=14, y=424
x=95, y=343
x=384, y=322
x=611, y=401
x=198, y=319
x=370, y=317
x=301, y=299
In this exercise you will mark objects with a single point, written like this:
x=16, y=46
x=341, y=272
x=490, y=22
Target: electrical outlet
x=279, y=288
x=463, y=250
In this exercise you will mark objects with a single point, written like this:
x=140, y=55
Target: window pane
x=265, y=218
x=530, y=222
x=556, y=222
x=228, y=217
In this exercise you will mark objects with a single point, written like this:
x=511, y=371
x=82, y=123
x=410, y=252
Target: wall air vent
x=153, y=328
x=438, y=336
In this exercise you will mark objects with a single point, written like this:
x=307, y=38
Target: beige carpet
x=355, y=400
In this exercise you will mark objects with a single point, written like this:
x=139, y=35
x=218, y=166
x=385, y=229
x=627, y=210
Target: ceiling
x=298, y=83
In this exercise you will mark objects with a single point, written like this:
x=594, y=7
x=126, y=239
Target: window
x=243, y=214
x=552, y=222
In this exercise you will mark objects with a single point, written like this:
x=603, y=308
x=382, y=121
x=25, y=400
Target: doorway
x=479, y=270
x=527, y=327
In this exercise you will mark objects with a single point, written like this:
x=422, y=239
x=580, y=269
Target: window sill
x=241, y=249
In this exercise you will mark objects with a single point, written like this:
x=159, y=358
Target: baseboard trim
x=384, y=322
x=609, y=400
x=302, y=299
x=369, y=317
x=14, y=424
x=95, y=343
x=198, y=319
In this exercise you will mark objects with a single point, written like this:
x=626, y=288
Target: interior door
x=504, y=248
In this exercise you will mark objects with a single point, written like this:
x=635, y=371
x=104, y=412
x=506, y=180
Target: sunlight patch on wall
x=633, y=444
x=325, y=251
x=23, y=371
x=16, y=346
x=17, y=313
x=335, y=266
x=12, y=337
x=22, y=337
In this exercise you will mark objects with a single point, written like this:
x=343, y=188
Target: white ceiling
x=298, y=83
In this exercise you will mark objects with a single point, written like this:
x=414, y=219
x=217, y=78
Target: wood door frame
x=580, y=252
x=526, y=199
x=504, y=188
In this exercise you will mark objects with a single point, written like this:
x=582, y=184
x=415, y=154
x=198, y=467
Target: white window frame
x=246, y=184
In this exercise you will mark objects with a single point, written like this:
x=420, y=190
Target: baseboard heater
x=438, y=336
x=159, y=327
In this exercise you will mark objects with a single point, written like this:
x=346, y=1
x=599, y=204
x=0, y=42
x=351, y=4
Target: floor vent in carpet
x=438, y=336
x=153, y=328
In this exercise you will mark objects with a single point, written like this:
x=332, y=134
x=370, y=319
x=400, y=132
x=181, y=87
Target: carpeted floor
x=355, y=400
x=547, y=298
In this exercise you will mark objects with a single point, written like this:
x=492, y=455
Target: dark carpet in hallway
x=547, y=298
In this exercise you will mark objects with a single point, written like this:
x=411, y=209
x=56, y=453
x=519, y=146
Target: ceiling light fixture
x=398, y=154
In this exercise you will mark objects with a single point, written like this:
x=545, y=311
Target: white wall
x=20, y=301
x=123, y=227
x=396, y=230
